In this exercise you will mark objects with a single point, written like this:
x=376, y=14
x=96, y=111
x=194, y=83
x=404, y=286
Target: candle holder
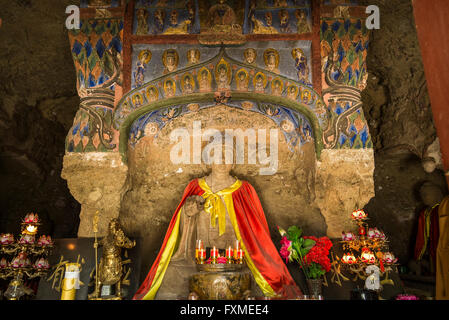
x=29, y=257
x=368, y=248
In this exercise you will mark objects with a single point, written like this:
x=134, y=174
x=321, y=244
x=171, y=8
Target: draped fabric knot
x=216, y=208
x=215, y=205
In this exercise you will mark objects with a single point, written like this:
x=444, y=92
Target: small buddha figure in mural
x=170, y=60
x=277, y=88
x=188, y=85
x=302, y=23
x=174, y=26
x=152, y=94
x=193, y=56
x=170, y=88
x=158, y=21
x=218, y=209
x=221, y=14
x=292, y=92
x=271, y=58
x=280, y=3
x=222, y=79
x=137, y=100
x=284, y=21
x=250, y=56
x=142, y=23
x=302, y=68
x=242, y=80
x=259, y=83
x=143, y=58
x=261, y=27
x=204, y=80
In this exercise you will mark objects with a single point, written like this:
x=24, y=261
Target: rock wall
x=397, y=107
x=38, y=101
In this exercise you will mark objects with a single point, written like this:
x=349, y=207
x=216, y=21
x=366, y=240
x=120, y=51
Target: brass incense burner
x=221, y=282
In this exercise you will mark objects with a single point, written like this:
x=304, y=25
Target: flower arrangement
x=310, y=252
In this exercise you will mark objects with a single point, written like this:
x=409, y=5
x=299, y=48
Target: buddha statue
x=217, y=209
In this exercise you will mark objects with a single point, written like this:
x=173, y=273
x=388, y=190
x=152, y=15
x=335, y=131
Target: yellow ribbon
x=226, y=200
x=214, y=204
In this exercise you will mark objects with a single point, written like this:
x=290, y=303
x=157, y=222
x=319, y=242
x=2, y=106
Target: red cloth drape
x=256, y=237
x=420, y=241
x=428, y=241
x=192, y=189
x=434, y=234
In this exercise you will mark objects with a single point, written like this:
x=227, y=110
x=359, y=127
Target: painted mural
x=166, y=17
x=97, y=54
x=290, y=59
x=344, y=45
x=295, y=127
x=100, y=3
x=278, y=17
x=219, y=65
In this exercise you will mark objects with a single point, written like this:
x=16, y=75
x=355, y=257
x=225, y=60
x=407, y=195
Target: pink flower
x=286, y=249
x=285, y=242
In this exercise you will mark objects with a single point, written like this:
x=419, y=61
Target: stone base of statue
x=221, y=282
x=176, y=282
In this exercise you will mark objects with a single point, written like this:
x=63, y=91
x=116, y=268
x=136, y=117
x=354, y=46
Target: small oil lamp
x=367, y=256
x=359, y=215
x=349, y=258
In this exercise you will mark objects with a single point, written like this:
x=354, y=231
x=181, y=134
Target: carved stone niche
x=155, y=184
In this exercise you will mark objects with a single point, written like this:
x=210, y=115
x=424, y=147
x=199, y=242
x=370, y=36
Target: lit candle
x=236, y=249
x=202, y=255
x=199, y=245
x=213, y=255
x=240, y=256
x=229, y=254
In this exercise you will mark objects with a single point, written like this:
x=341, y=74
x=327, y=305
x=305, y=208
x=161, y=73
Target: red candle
x=229, y=253
x=240, y=254
x=213, y=252
x=202, y=255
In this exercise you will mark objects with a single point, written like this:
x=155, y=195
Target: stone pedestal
x=96, y=181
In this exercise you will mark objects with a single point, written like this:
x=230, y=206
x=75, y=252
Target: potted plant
x=311, y=253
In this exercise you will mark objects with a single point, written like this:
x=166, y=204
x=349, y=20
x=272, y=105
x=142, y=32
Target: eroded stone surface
x=344, y=183
x=96, y=181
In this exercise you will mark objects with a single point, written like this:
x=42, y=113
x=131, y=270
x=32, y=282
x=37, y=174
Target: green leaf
x=308, y=244
x=294, y=233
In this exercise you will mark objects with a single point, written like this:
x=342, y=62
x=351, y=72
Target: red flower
x=319, y=253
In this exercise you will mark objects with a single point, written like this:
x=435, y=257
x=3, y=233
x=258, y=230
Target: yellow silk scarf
x=224, y=197
x=214, y=204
